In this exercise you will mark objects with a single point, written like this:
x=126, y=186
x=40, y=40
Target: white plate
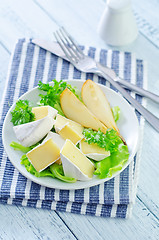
x=128, y=126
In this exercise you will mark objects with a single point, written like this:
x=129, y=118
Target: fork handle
x=152, y=119
x=138, y=90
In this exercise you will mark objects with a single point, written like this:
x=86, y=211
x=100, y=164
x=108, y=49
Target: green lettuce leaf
x=54, y=171
x=112, y=164
x=116, y=113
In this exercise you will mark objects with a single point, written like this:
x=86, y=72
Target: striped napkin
x=31, y=64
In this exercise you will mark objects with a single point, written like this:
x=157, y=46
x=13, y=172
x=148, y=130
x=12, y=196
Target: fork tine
x=69, y=43
x=72, y=41
x=65, y=48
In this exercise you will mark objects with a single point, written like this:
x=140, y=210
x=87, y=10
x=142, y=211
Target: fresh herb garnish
x=109, y=141
x=19, y=147
x=22, y=113
x=116, y=113
x=54, y=171
x=52, y=96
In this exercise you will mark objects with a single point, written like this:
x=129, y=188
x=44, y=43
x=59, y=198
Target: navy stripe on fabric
x=65, y=69
x=61, y=206
x=40, y=66
x=52, y=68
x=46, y=204
x=109, y=191
x=27, y=69
x=115, y=64
x=76, y=208
x=124, y=186
x=20, y=186
x=127, y=66
x=64, y=195
x=121, y=211
x=106, y=210
x=35, y=191
x=49, y=193
x=91, y=209
x=79, y=195
x=91, y=53
x=94, y=194
x=31, y=203
x=76, y=72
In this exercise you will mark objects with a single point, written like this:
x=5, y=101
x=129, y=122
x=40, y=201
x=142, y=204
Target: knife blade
x=54, y=48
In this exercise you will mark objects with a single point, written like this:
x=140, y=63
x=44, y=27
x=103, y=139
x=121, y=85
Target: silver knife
x=54, y=48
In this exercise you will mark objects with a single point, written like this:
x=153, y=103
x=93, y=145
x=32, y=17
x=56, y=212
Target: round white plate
x=128, y=126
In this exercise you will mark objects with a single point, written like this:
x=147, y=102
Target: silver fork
x=86, y=64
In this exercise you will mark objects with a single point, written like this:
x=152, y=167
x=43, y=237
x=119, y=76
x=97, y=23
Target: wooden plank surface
x=40, y=18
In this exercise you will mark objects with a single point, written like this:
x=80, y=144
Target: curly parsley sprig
x=109, y=141
x=22, y=113
x=52, y=96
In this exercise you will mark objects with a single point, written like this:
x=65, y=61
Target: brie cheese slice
x=43, y=111
x=93, y=151
x=67, y=132
x=75, y=163
x=30, y=133
x=62, y=121
x=58, y=140
x=44, y=155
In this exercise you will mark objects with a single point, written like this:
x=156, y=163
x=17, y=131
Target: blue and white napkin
x=31, y=64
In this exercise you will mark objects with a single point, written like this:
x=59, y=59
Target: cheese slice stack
x=68, y=129
x=75, y=163
x=44, y=155
x=93, y=151
x=43, y=111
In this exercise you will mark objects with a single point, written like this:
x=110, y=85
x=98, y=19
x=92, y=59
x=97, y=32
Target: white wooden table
x=40, y=18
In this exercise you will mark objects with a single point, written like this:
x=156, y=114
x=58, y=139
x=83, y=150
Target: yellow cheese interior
x=91, y=148
x=69, y=133
x=71, y=152
x=62, y=121
x=40, y=112
x=44, y=155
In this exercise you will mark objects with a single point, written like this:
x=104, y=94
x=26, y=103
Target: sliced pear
x=96, y=101
x=75, y=110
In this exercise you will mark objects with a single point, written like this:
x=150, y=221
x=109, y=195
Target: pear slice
x=75, y=110
x=96, y=101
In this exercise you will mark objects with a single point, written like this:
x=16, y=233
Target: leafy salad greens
x=110, y=141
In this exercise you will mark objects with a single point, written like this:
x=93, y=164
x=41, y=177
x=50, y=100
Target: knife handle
x=138, y=90
x=152, y=119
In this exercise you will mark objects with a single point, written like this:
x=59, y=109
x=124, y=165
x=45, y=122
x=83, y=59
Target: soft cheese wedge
x=75, y=163
x=93, y=151
x=96, y=101
x=75, y=110
x=67, y=132
x=61, y=121
x=43, y=111
x=30, y=133
x=44, y=155
x=57, y=139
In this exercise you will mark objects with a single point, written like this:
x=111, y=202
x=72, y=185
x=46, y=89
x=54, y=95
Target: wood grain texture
x=39, y=18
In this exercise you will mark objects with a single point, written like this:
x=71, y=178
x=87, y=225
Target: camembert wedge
x=67, y=132
x=44, y=155
x=30, y=133
x=93, y=151
x=43, y=111
x=75, y=163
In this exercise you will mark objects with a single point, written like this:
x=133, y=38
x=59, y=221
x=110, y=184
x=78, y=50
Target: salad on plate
x=69, y=135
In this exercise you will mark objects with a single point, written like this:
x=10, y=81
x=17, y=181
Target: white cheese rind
x=97, y=156
x=71, y=170
x=56, y=138
x=75, y=163
x=30, y=133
